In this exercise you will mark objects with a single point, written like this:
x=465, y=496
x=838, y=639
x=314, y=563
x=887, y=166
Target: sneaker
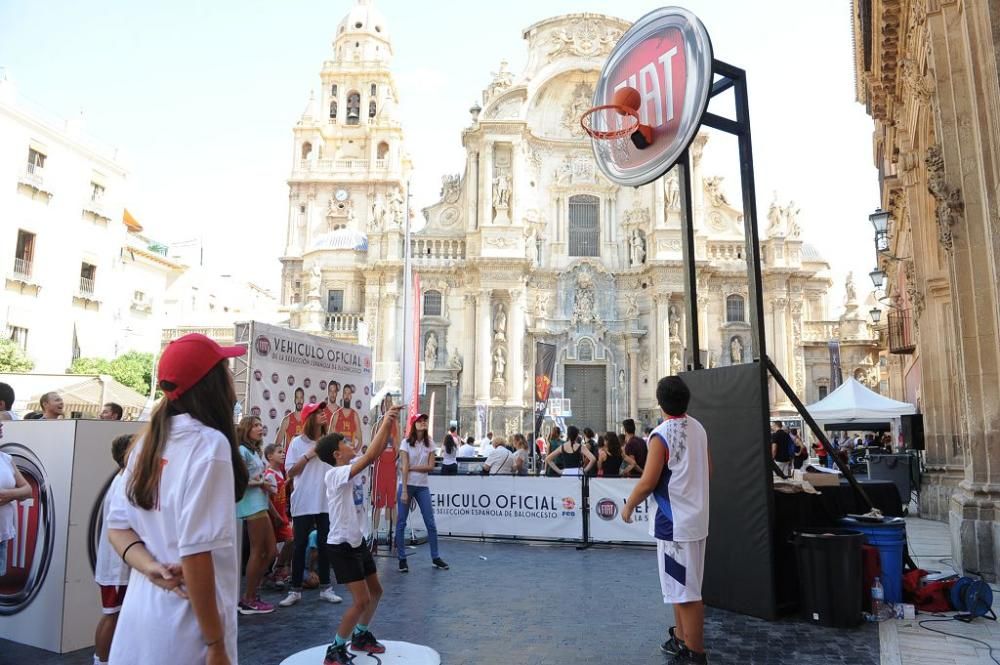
x=292, y=598
x=439, y=563
x=403, y=566
x=673, y=645
x=366, y=642
x=255, y=606
x=687, y=657
x=330, y=596
x=338, y=655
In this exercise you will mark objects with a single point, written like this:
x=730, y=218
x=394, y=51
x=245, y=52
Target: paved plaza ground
x=531, y=604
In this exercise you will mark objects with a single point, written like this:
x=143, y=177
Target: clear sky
x=201, y=98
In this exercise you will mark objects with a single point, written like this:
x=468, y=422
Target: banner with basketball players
x=607, y=498
x=545, y=366
x=289, y=369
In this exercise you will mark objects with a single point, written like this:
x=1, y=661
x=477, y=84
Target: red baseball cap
x=310, y=409
x=419, y=416
x=187, y=359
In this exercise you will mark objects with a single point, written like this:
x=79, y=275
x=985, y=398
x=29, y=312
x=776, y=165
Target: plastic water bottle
x=878, y=600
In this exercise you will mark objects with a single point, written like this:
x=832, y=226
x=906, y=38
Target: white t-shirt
x=500, y=460
x=8, y=511
x=467, y=450
x=420, y=455
x=309, y=490
x=110, y=570
x=681, y=493
x=345, y=497
x=449, y=458
x=485, y=447
x=195, y=513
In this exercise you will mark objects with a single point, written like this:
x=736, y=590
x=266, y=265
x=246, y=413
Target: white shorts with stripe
x=682, y=567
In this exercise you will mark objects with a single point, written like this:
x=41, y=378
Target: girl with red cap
x=173, y=519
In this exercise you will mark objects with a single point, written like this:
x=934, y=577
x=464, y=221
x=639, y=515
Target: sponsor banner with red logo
x=607, y=498
x=48, y=595
x=289, y=369
x=508, y=506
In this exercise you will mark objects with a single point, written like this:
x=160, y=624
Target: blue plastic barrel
x=889, y=536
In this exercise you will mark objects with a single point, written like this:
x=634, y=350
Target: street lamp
x=878, y=277
x=880, y=220
x=876, y=315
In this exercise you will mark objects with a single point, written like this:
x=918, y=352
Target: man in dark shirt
x=634, y=447
x=782, y=447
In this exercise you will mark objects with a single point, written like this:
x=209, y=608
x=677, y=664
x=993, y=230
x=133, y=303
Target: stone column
x=483, y=357
x=633, y=377
x=515, y=355
x=781, y=356
x=663, y=337
x=387, y=338
x=486, y=185
x=468, y=347
x=653, y=340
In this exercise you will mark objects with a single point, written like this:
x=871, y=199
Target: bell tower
x=347, y=187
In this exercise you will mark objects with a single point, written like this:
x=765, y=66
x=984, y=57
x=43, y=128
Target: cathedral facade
x=530, y=243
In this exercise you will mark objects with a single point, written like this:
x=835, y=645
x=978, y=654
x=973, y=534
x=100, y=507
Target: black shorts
x=351, y=564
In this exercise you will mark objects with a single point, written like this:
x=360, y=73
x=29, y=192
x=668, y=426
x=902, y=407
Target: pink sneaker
x=256, y=606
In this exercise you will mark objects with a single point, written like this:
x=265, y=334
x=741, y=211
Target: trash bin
x=889, y=536
x=829, y=565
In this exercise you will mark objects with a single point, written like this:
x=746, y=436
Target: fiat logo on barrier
x=30, y=553
x=606, y=509
x=263, y=345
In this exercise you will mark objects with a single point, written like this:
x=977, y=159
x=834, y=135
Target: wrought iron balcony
x=22, y=269
x=900, y=331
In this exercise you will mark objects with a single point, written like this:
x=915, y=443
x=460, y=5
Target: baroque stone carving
x=451, y=188
x=671, y=191
x=584, y=309
x=949, y=199
x=500, y=323
x=631, y=307
x=636, y=215
x=455, y=361
x=501, y=190
x=713, y=191
x=584, y=37
x=913, y=292
x=582, y=100
x=637, y=247
x=430, y=350
x=502, y=80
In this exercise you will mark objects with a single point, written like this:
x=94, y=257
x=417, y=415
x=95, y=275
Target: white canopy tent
x=852, y=402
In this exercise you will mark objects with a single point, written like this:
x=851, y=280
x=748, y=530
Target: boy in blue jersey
x=676, y=475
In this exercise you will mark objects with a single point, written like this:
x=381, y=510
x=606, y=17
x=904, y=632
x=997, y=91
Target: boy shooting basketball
x=351, y=559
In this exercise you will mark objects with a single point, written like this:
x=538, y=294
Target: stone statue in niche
x=736, y=351
x=315, y=281
x=631, y=307
x=455, y=361
x=621, y=379
x=583, y=309
x=541, y=305
x=638, y=247
x=672, y=191
x=774, y=216
x=791, y=220
x=675, y=363
x=500, y=324
x=501, y=190
x=397, y=206
x=674, y=321
x=499, y=362
x=377, y=217
x=430, y=351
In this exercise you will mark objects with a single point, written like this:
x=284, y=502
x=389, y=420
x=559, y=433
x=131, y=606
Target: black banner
x=545, y=366
x=836, y=374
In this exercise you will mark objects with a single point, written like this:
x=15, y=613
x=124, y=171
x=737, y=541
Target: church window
x=584, y=226
x=353, y=107
x=307, y=149
x=371, y=109
x=333, y=90
x=333, y=110
x=358, y=25
x=823, y=392
x=374, y=90
x=432, y=303
x=735, y=309
x=334, y=301
x=585, y=351
x=383, y=150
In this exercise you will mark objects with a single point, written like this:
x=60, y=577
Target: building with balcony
x=530, y=243
x=927, y=74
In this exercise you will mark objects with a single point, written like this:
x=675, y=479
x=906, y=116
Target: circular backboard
x=667, y=56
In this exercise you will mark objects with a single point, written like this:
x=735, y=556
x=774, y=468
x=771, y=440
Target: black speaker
x=912, y=427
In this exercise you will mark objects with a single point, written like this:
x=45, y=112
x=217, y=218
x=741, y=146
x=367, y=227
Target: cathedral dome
x=364, y=18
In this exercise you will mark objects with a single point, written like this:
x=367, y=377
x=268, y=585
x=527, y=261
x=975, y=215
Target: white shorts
x=682, y=567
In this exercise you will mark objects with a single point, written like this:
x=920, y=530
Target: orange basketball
x=627, y=97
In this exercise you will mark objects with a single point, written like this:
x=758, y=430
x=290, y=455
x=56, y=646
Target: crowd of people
x=51, y=407
x=192, y=479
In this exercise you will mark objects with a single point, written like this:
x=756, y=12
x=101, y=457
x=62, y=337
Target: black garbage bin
x=829, y=565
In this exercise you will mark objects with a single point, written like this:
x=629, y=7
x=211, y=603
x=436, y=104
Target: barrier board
x=508, y=506
x=607, y=498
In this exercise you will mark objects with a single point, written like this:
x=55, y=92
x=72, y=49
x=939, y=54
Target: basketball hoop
x=618, y=120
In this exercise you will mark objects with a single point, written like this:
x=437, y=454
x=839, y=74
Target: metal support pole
x=690, y=268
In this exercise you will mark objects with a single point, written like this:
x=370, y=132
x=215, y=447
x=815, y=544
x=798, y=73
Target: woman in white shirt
x=13, y=487
x=174, y=519
x=416, y=460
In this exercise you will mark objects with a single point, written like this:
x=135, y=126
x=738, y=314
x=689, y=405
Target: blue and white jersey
x=682, y=492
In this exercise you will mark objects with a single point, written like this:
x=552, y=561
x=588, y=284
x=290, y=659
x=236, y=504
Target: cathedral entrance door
x=586, y=387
